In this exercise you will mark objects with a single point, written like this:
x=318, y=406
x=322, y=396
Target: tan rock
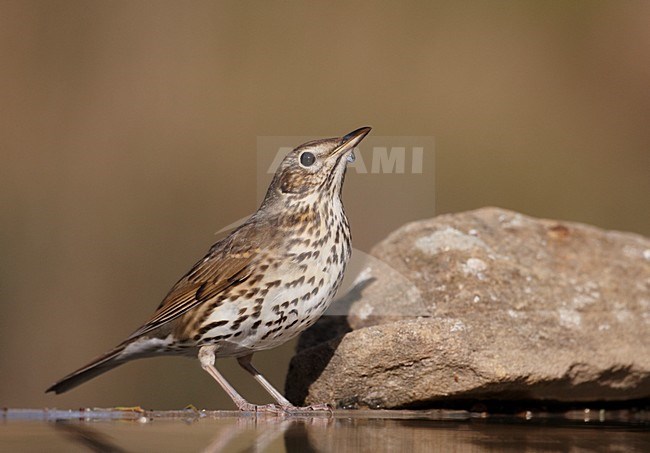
x=486, y=304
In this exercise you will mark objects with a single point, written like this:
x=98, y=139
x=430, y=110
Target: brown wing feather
x=229, y=261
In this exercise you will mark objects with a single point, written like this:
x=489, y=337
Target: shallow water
x=340, y=431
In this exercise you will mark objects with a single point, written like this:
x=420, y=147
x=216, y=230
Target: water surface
x=340, y=431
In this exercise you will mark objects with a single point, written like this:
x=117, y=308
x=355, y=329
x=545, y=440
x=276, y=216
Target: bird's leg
x=207, y=358
x=284, y=403
x=246, y=364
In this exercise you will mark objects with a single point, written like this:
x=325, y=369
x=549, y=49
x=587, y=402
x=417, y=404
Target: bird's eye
x=307, y=159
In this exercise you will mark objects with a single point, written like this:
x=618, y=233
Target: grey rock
x=487, y=304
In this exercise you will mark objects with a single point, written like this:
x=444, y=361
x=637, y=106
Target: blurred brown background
x=128, y=137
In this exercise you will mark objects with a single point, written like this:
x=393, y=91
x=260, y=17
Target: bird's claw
x=306, y=410
x=285, y=409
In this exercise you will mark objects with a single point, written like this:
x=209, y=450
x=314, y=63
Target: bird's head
x=315, y=168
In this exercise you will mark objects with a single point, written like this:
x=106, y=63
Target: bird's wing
x=229, y=262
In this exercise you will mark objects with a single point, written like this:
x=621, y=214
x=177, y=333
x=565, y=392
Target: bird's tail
x=100, y=365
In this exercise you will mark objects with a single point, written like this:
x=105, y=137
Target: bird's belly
x=293, y=302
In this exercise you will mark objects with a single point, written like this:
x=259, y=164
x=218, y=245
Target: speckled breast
x=296, y=288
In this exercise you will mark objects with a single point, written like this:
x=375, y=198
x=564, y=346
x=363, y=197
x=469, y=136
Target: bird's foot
x=306, y=410
x=261, y=408
x=284, y=409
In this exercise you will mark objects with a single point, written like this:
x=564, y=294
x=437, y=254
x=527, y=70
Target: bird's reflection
x=233, y=433
x=90, y=438
x=262, y=432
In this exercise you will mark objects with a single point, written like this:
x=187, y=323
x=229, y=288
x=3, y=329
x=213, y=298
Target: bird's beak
x=350, y=141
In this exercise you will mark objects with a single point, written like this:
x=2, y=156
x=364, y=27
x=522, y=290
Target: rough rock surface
x=487, y=304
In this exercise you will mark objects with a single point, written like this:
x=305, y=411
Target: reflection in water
x=240, y=433
x=86, y=436
x=260, y=432
x=426, y=436
x=226, y=434
x=364, y=431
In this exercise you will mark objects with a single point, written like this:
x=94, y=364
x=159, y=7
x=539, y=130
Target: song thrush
x=263, y=284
